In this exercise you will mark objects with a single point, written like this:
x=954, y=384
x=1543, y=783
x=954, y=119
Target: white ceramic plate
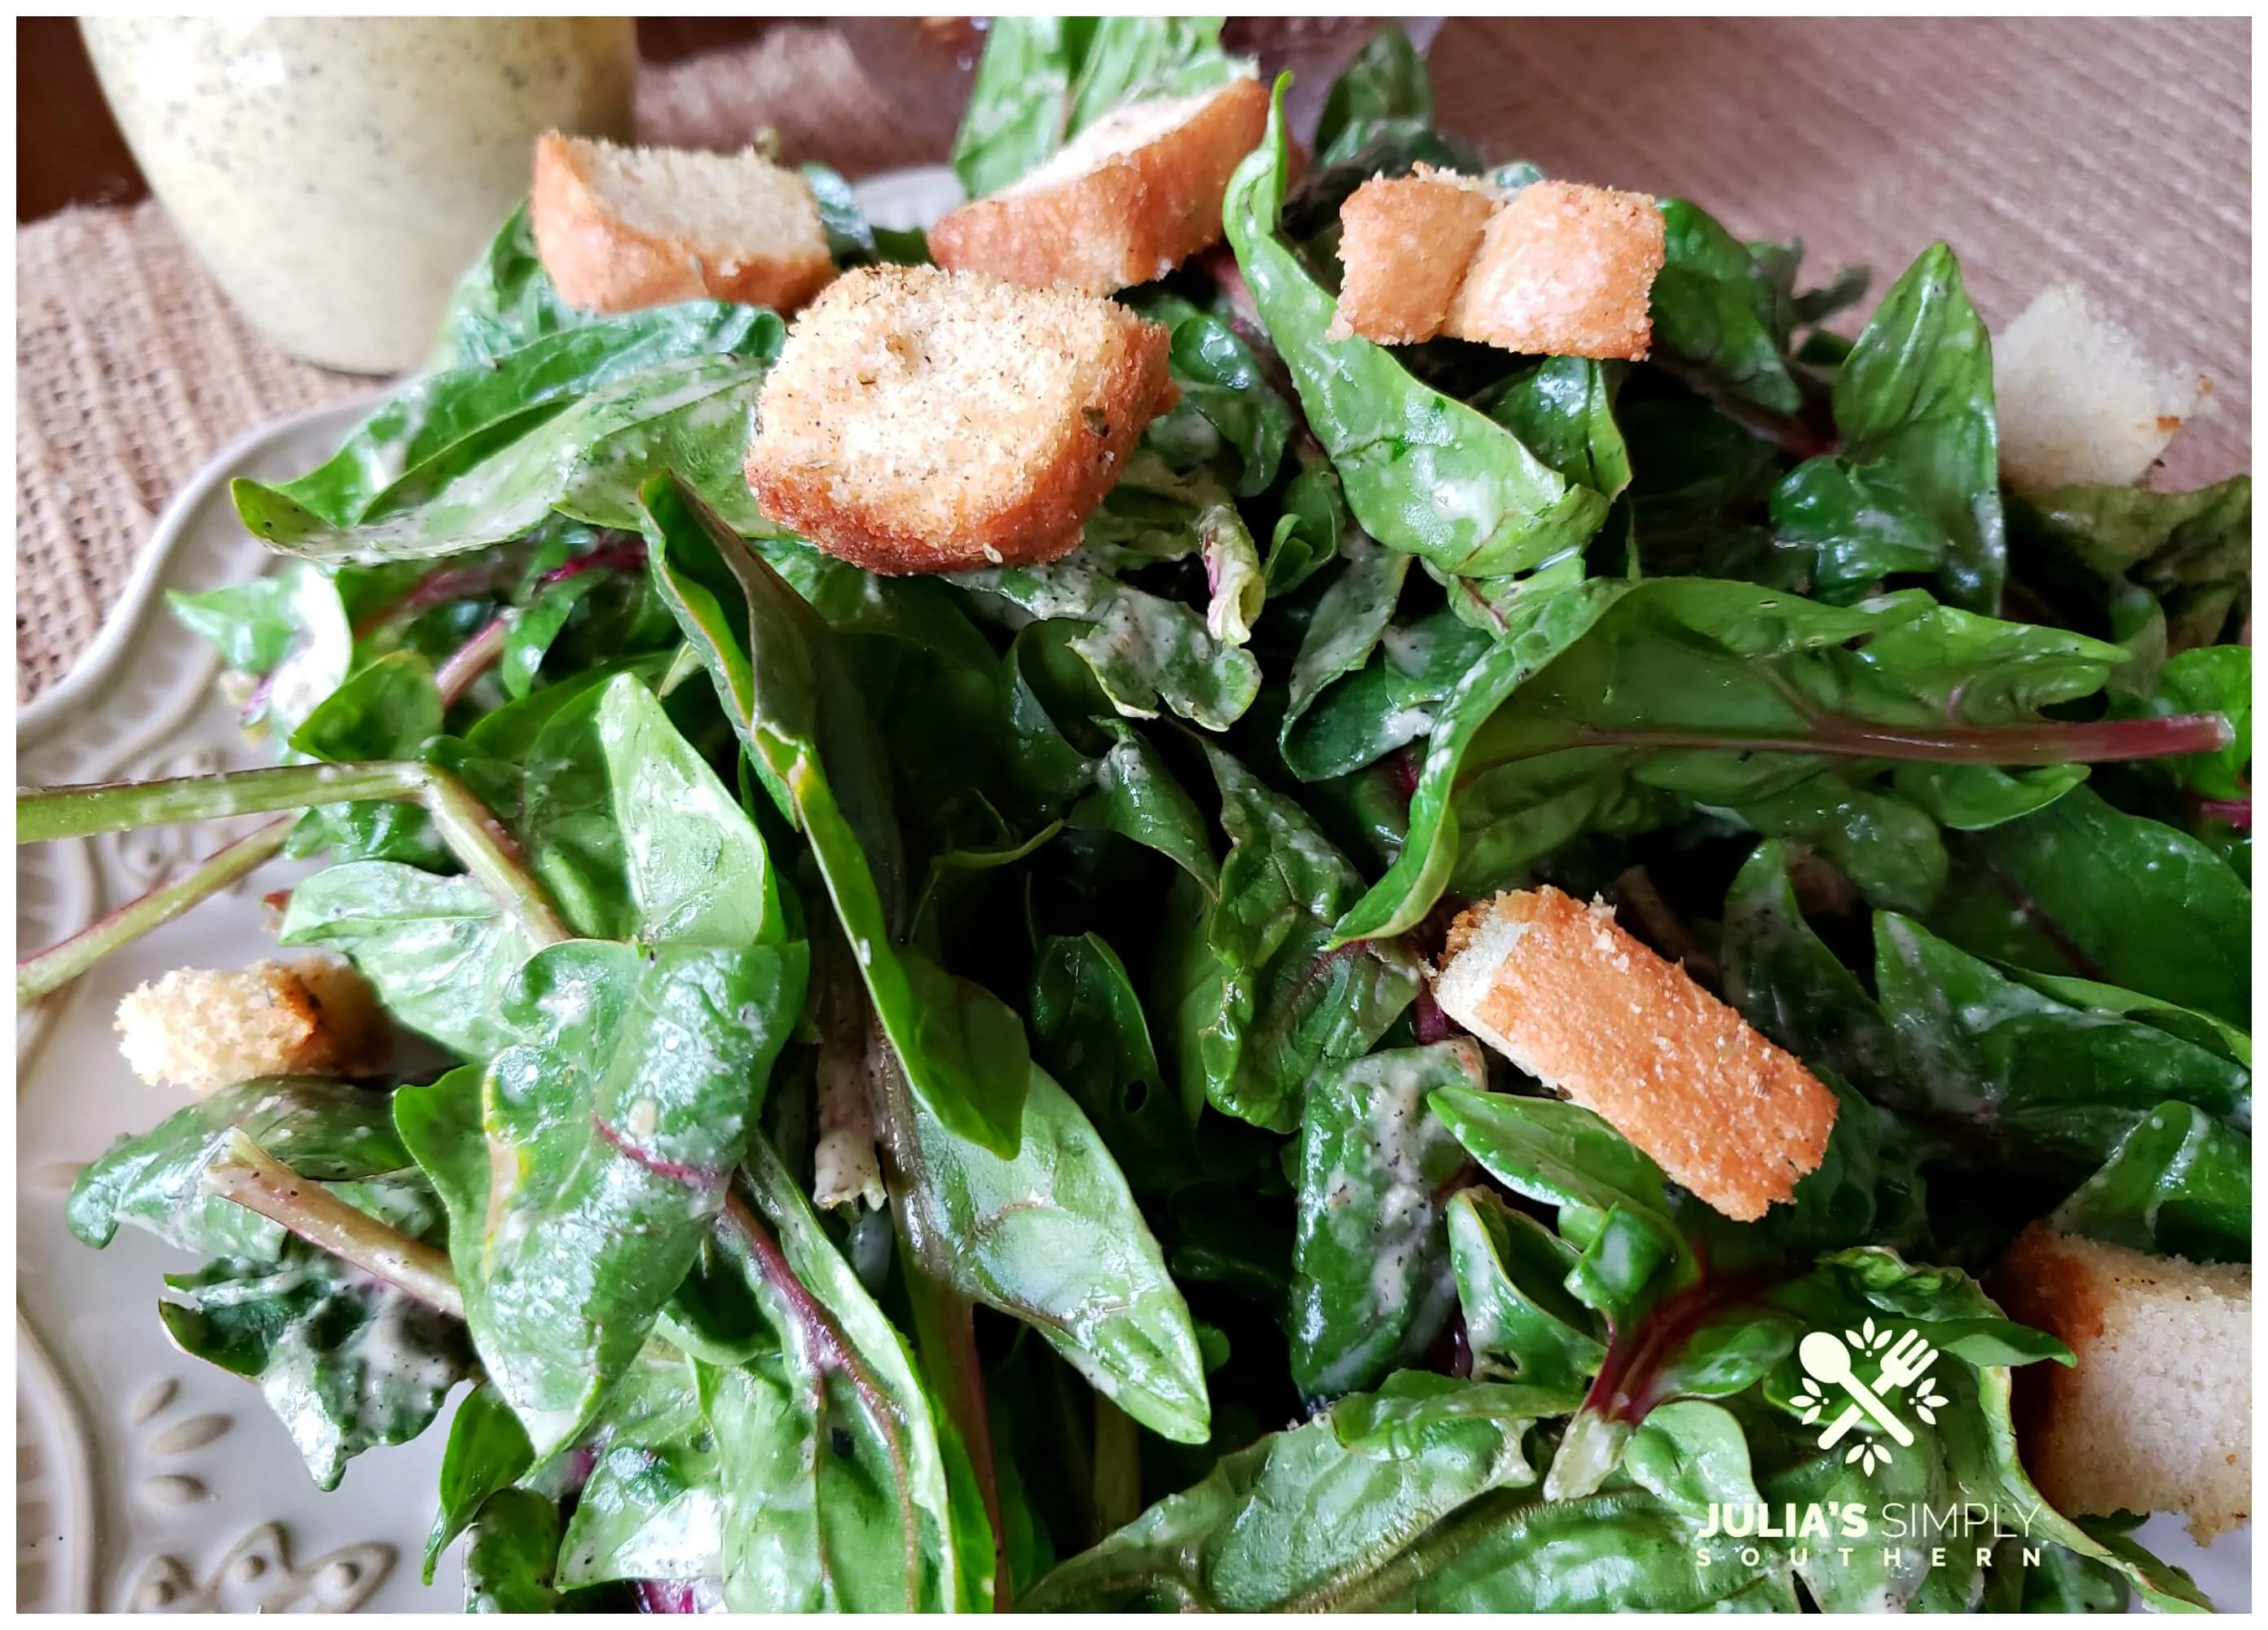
x=147, y=1480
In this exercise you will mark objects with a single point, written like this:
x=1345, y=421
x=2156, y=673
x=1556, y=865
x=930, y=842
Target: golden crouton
x=1405, y=243
x=1556, y=270
x=2157, y=1413
x=205, y=1029
x=1125, y=201
x=2080, y=402
x=1565, y=993
x=622, y=228
x=922, y=420
x=1564, y=270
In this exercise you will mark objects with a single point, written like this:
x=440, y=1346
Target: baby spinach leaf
x=1973, y=1042
x=251, y=624
x=346, y=1361
x=1623, y=1550
x=609, y=1132
x=2159, y=568
x=487, y=1453
x=1729, y=693
x=1510, y=1273
x=1088, y=1032
x=839, y=1479
x=1854, y=525
x=1408, y=1413
x=1275, y=1000
x=781, y=684
x=1882, y=842
x=1563, y=409
x=1136, y=796
x=1393, y=700
x=2206, y=679
x=512, y=1558
x=692, y=415
x=1424, y=474
x=652, y=1508
x=1787, y=984
x=1052, y=1236
x=696, y=868
x=1298, y=1520
x=1221, y=382
x=1309, y=527
x=1372, y=1289
x=1718, y=311
x=324, y=1130
x=1541, y=630
x=1355, y=611
x=1386, y=84
x=441, y=424
x=2082, y=888
x=1916, y=394
x=1611, y=1200
x=504, y=300
x=2179, y=1184
x=1042, y=80
x=1145, y=650
x=436, y=948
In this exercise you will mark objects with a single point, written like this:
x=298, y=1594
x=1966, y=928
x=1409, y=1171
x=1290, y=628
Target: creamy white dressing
x=337, y=174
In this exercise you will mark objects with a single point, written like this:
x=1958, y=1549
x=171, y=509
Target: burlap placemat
x=2114, y=151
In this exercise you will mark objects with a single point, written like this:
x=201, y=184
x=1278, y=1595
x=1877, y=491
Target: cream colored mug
x=336, y=175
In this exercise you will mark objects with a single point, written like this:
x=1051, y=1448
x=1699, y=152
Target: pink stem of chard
x=479, y=653
x=58, y=965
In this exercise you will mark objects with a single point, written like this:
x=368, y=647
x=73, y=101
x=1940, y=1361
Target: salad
x=939, y=1092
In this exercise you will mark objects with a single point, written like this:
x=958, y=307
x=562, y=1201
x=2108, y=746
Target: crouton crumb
x=204, y=1028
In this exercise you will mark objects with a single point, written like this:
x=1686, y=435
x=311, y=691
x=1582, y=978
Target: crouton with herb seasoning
x=1561, y=990
x=204, y=1028
x=620, y=229
x=924, y=420
x=1125, y=201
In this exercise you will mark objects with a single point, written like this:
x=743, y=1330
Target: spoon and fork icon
x=1827, y=1360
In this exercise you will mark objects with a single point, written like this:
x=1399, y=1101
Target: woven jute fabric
x=2116, y=152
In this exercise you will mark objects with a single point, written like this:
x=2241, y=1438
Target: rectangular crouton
x=1565, y=993
x=1125, y=201
x=623, y=228
x=2081, y=402
x=1405, y=243
x=923, y=420
x=1564, y=270
x=2157, y=1413
x=1555, y=270
x=205, y=1029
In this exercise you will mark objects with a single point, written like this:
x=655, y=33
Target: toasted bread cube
x=1405, y=243
x=1562, y=992
x=2080, y=402
x=1564, y=270
x=205, y=1029
x=1125, y=201
x=622, y=228
x=923, y=420
x=2157, y=1413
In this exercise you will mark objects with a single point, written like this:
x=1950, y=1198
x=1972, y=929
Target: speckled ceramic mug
x=337, y=174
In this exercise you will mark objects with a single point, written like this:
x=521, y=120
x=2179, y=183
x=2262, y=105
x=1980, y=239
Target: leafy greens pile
x=945, y=1073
